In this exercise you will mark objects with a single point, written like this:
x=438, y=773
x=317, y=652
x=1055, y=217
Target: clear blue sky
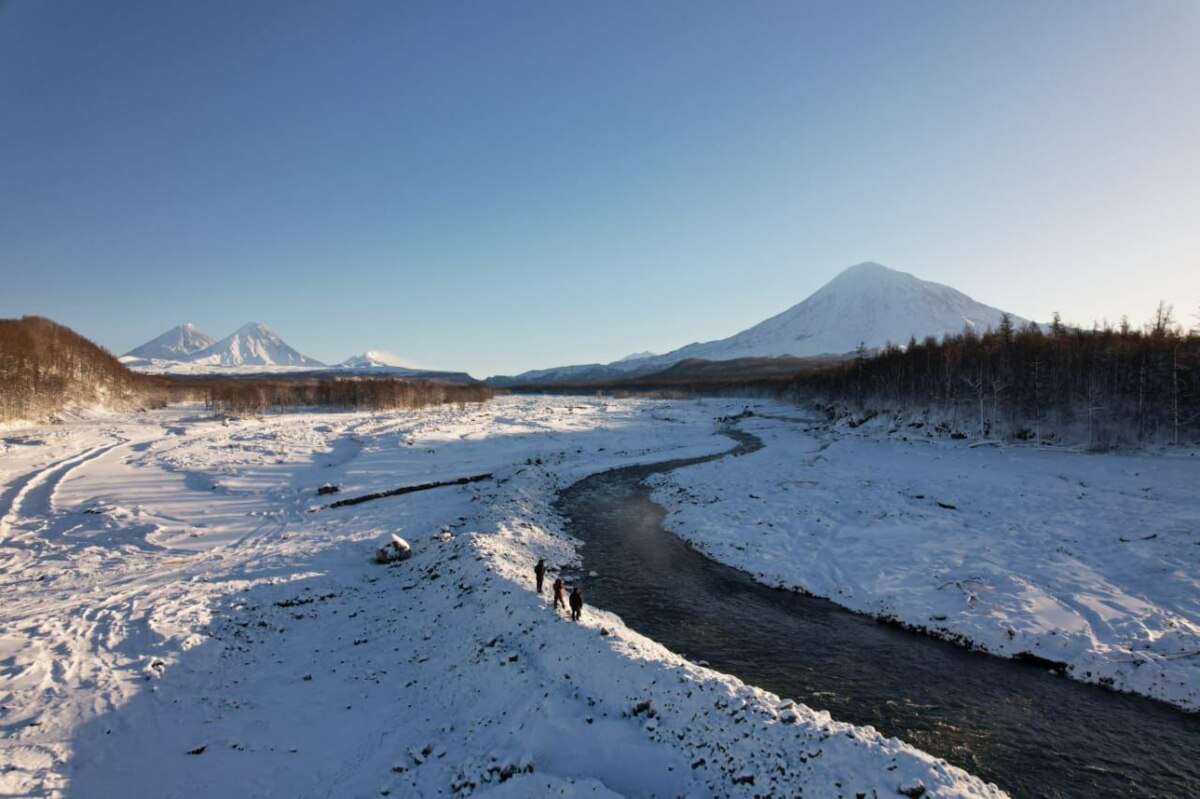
x=502, y=186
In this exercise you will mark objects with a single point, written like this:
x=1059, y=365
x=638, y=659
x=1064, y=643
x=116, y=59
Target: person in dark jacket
x=558, y=593
x=576, y=604
x=539, y=571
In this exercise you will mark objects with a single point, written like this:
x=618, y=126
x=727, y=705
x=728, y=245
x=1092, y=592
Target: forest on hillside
x=46, y=368
x=1102, y=387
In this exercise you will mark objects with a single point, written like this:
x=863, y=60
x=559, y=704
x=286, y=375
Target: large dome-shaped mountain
x=865, y=304
x=868, y=304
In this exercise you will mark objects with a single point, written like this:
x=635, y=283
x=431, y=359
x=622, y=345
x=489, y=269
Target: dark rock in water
x=1038, y=660
x=199, y=750
x=328, y=488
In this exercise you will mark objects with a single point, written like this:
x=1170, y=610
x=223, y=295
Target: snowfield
x=182, y=617
x=1087, y=560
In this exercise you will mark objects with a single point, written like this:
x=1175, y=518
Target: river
x=1031, y=732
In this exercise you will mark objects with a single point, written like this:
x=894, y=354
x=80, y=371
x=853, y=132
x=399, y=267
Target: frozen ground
x=181, y=619
x=1088, y=560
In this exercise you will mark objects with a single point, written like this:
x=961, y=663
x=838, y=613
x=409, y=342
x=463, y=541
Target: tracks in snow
x=27, y=506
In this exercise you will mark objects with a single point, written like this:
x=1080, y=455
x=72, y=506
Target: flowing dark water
x=1031, y=732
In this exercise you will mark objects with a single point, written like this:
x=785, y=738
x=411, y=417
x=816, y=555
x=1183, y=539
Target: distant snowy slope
x=252, y=344
x=868, y=303
x=378, y=359
x=177, y=344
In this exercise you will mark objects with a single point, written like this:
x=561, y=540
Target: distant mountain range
x=256, y=349
x=867, y=304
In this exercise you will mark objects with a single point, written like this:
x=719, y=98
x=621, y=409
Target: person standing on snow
x=576, y=604
x=539, y=571
x=558, y=594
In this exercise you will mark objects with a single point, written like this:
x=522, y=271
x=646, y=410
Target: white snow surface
x=178, y=343
x=1085, y=559
x=166, y=367
x=181, y=618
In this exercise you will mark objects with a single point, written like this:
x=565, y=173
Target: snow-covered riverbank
x=1083, y=559
x=180, y=620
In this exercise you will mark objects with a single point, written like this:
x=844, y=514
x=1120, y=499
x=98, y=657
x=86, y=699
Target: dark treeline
x=242, y=396
x=1101, y=387
x=46, y=368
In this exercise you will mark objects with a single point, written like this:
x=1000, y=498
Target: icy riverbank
x=178, y=622
x=1080, y=559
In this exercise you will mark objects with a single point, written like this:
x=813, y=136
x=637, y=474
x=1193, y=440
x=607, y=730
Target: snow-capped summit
x=177, y=344
x=253, y=344
x=867, y=303
x=376, y=359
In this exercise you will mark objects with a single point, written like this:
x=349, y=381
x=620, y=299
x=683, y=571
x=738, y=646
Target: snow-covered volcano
x=252, y=344
x=377, y=359
x=177, y=344
x=867, y=303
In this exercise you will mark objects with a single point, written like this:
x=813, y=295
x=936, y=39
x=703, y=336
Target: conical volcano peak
x=870, y=273
x=867, y=266
x=178, y=343
x=253, y=344
x=867, y=303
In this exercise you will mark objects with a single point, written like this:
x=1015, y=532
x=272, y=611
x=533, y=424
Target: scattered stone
x=397, y=550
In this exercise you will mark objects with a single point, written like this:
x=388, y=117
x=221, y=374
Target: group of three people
x=539, y=571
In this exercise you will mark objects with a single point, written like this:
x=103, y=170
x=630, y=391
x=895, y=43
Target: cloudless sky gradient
x=500, y=186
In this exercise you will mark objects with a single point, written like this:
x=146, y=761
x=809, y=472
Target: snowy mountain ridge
x=867, y=303
x=255, y=349
x=252, y=344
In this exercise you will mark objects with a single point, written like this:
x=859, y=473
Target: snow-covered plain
x=182, y=619
x=1090, y=560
